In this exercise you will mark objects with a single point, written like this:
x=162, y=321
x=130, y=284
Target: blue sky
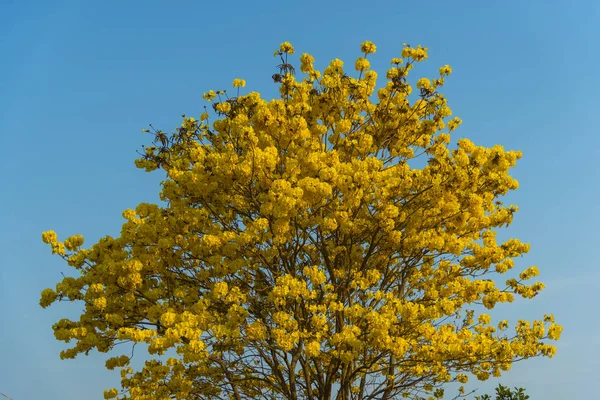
x=80, y=79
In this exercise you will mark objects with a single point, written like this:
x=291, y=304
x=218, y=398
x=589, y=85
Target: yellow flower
x=418, y=54
x=286, y=47
x=529, y=273
x=208, y=96
x=484, y=319
x=368, y=47
x=129, y=214
x=111, y=393
x=554, y=332
x=454, y=123
x=115, y=362
x=256, y=331
x=223, y=107
x=73, y=242
x=100, y=303
x=49, y=237
x=445, y=70
x=313, y=348
x=220, y=290
x=58, y=248
x=424, y=83
x=307, y=61
x=168, y=319
x=239, y=83
x=316, y=276
x=48, y=297
x=362, y=64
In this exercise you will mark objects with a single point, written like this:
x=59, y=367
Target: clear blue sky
x=80, y=79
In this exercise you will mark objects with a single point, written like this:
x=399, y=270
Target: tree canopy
x=304, y=252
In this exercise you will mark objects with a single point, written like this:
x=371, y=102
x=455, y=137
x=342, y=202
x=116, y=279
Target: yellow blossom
x=239, y=83
x=286, y=47
x=313, y=348
x=49, y=237
x=362, y=64
x=208, y=96
x=368, y=47
x=445, y=70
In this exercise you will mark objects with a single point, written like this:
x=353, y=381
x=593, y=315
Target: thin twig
x=10, y=398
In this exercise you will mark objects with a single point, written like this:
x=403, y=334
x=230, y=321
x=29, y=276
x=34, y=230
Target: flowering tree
x=302, y=254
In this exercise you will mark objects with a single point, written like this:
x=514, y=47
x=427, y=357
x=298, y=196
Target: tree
x=504, y=393
x=302, y=253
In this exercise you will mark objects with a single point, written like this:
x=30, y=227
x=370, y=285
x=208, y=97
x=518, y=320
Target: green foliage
x=504, y=393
